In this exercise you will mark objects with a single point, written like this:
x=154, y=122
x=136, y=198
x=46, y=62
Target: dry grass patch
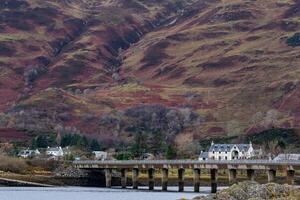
x=11, y=164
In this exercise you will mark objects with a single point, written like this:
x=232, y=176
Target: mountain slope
x=217, y=68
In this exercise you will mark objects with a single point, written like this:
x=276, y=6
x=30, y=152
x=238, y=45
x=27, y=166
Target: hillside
x=192, y=69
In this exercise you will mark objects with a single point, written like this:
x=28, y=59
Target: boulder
x=250, y=190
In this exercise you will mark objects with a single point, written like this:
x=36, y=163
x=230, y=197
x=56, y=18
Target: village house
x=228, y=152
x=55, y=151
x=29, y=153
x=100, y=155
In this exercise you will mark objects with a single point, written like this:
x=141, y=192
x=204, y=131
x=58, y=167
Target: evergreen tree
x=156, y=142
x=33, y=143
x=94, y=145
x=170, y=152
x=140, y=144
x=41, y=141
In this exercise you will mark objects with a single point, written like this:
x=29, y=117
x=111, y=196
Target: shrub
x=48, y=165
x=294, y=40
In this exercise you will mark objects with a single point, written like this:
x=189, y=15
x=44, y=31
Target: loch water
x=81, y=193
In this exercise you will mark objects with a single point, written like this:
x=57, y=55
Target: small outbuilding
x=281, y=157
x=29, y=153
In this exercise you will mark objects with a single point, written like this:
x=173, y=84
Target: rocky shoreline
x=250, y=190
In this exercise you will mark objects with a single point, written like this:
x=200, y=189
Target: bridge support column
x=214, y=180
x=197, y=180
x=271, y=175
x=250, y=174
x=151, y=172
x=181, y=180
x=165, y=177
x=135, y=177
x=123, y=178
x=290, y=177
x=108, y=175
x=232, y=176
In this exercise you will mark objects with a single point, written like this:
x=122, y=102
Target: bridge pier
x=165, y=177
x=181, y=180
x=271, y=175
x=151, y=180
x=290, y=177
x=135, y=177
x=232, y=174
x=214, y=180
x=250, y=174
x=123, y=178
x=108, y=175
x=233, y=168
x=197, y=180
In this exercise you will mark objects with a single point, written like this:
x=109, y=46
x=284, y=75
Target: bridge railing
x=189, y=162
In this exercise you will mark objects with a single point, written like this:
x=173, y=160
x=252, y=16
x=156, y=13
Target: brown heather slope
x=217, y=68
x=230, y=62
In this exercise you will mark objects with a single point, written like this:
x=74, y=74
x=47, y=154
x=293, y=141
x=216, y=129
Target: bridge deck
x=190, y=164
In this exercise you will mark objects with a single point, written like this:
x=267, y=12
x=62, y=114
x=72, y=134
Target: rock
x=250, y=190
x=70, y=172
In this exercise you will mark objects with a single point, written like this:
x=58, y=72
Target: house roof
x=228, y=147
x=54, y=149
x=203, y=155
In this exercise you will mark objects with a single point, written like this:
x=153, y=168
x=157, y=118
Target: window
x=226, y=152
x=213, y=157
x=213, y=152
x=225, y=157
x=219, y=152
x=220, y=157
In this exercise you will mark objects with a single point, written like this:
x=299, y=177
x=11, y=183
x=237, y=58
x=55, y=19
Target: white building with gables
x=55, y=151
x=228, y=152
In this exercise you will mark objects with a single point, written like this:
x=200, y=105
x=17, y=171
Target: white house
x=55, y=151
x=100, y=155
x=287, y=157
x=27, y=153
x=228, y=152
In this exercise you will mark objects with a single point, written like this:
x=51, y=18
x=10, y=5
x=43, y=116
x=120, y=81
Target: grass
x=12, y=37
x=11, y=164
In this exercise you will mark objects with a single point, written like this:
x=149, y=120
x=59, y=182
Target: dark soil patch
x=13, y=4
x=222, y=82
x=179, y=37
x=177, y=73
x=163, y=71
x=293, y=11
x=290, y=25
x=193, y=81
x=224, y=62
x=20, y=19
x=132, y=4
x=155, y=54
x=67, y=73
x=5, y=50
x=234, y=16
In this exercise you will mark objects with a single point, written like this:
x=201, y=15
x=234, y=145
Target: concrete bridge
x=270, y=167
